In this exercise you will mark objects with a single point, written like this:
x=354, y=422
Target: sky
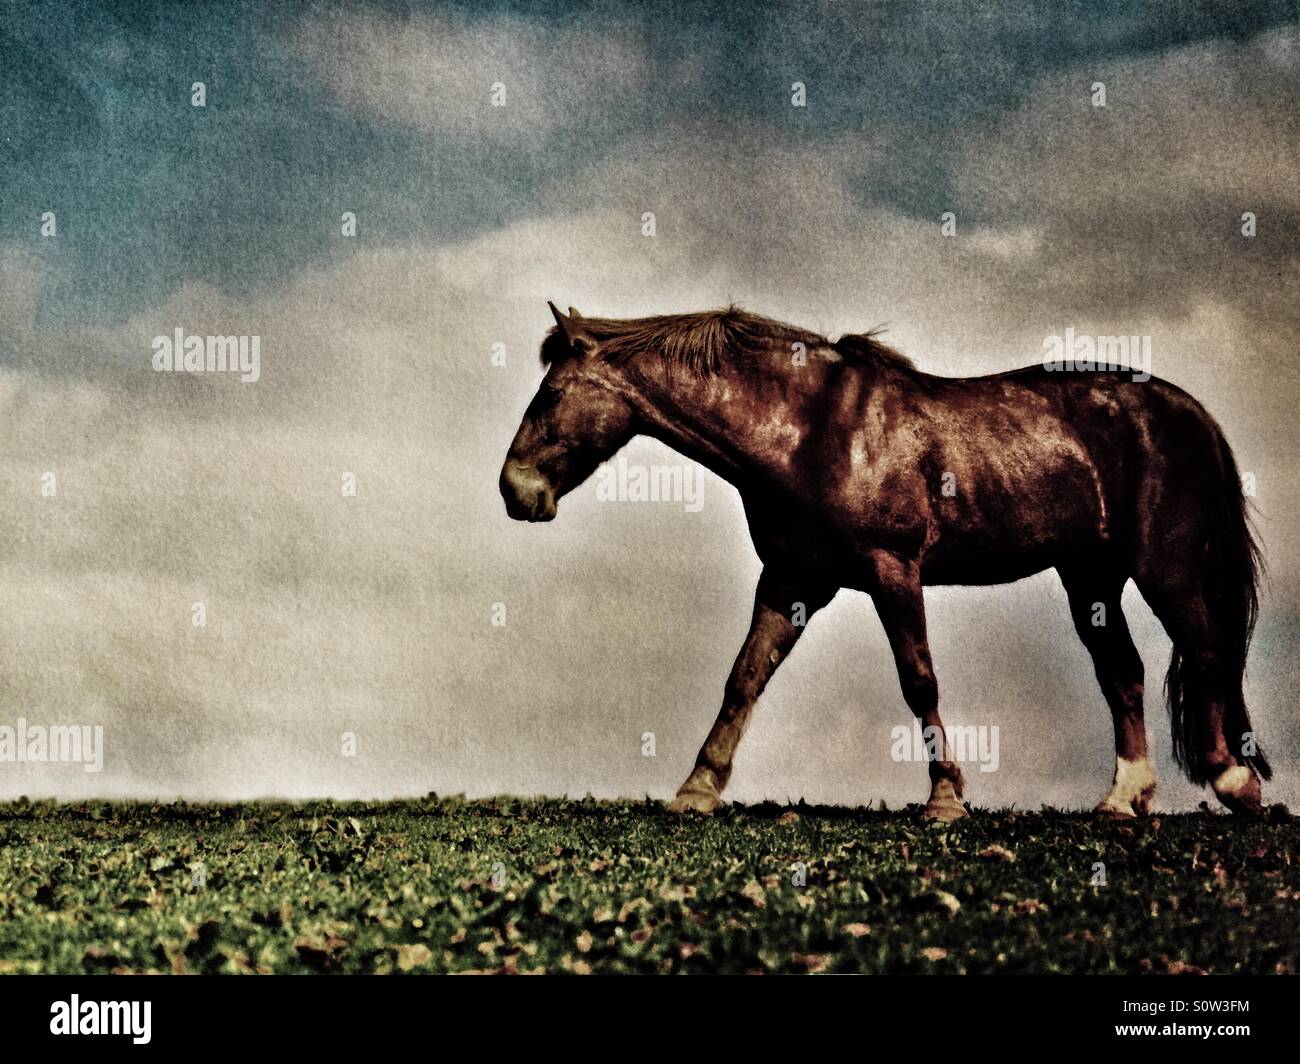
x=348, y=645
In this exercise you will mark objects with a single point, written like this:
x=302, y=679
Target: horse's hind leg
x=782, y=606
x=1094, y=595
x=1201, y=696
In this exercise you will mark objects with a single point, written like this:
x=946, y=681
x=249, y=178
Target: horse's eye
x=545, y=398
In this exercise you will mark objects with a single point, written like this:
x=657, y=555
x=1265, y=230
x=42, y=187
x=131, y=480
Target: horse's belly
x=978, y=564
x=1009, y=539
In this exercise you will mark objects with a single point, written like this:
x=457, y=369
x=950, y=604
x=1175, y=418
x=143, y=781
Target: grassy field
x=443, y=885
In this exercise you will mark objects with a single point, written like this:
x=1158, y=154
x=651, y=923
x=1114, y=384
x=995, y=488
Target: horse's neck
x=727, y=422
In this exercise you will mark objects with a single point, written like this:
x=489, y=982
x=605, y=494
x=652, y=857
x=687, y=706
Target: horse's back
x=1047, y=466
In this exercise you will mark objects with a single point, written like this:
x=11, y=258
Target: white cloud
x=329, y=614
x=437, y=73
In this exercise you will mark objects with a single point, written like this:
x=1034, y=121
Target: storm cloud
x=330, y=614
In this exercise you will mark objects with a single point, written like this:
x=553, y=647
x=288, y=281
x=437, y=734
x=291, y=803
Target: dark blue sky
x=150, y=192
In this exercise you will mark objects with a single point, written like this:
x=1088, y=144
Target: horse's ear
x=579, y=339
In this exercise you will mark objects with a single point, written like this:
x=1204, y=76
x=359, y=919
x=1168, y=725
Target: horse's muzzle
x=528, y=497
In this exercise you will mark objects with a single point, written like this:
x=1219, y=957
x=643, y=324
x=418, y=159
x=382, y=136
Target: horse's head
x=577, y=419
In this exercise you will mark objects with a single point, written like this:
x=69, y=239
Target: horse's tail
x=1230, y=587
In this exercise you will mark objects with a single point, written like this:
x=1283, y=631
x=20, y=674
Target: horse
x=858, y=470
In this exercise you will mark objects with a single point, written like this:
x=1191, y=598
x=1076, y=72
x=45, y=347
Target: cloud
x=1140, y=203
x=438, y=73
x=330, y=614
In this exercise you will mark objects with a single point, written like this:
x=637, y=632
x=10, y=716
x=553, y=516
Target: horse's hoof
x=1131, y=793
x=1238, y=789
x=945, y=810
x=945, y=804
x=702, y=802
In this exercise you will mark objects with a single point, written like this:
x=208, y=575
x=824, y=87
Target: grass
x=444, y=885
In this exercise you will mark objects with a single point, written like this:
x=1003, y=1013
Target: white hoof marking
x=1232, y=781
x=1133, y=787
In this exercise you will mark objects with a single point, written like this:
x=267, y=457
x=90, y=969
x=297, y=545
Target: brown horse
x=858, y=470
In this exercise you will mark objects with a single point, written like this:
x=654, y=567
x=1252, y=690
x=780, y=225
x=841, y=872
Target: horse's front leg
x=782, y=605
x=901, y=605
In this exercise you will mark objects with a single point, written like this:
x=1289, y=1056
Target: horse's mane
x=865, y=347
x=701, y=342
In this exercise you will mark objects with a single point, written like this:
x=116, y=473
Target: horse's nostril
x=527, y=495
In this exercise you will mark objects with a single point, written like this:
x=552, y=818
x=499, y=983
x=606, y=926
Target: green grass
x=594, y=886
